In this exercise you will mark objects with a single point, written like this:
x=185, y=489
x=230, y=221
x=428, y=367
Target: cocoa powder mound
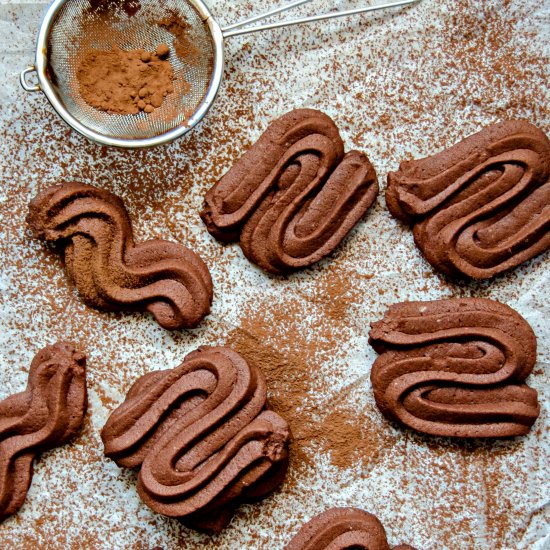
x=125, y=82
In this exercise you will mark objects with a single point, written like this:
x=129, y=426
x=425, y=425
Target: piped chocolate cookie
x=481, y=207
x=343, y=529
x=46, y=415
x=110, y=271
x=202, y=436
x=294, y=195
x=455, y=368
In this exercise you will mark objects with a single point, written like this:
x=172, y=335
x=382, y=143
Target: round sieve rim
x=41, y=66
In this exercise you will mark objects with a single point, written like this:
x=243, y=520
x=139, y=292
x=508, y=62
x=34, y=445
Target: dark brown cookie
x=111, y=271
x=481, y=207
x=343, y=529
x=294, y=196
x=202, y=438
x=46, y=415
x=455, y=368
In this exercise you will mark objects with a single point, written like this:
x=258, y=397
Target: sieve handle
x=25, y=83
x=237, y=28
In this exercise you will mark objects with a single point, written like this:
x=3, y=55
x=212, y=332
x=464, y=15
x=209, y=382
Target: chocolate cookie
x=294, y=196
x=343, y=529
x=202, y=436
x=46, y=415
x=455, y=368
x=481, y=207
x=109, y=270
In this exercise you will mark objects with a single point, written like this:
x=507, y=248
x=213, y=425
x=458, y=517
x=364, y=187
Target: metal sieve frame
x=44, y=85
x=217, y=33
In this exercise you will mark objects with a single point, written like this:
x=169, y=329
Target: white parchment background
x=399, y=86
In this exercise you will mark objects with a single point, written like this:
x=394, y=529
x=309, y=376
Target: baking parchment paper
x=399, y=85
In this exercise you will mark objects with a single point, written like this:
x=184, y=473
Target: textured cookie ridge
x=455, y=368
x=46, y=415
x=481, y=207
x=343, y=529
x=294, y=195
x=110, y=271
x=202, y=437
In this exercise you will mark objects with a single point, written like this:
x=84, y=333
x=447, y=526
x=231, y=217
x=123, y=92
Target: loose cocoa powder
x=125, y=82
x=451, y=510
x=344, y=431
x=129, y=7
x=348, y=440
x=179, y=28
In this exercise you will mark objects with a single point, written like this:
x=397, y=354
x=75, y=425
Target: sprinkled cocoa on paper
x=402, y=85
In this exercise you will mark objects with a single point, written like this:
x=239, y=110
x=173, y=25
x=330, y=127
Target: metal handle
x=236, y=29
x=23, y=79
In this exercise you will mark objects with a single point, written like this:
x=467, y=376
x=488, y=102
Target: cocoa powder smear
x=125, y=82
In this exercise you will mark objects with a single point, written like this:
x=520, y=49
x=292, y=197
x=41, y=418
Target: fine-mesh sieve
x=69, y=26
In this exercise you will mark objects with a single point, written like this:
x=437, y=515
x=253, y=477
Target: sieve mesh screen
x=77, y=27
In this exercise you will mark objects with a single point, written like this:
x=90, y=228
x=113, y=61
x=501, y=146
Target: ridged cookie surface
x=202, y=438
x=343, y=529
x=294, y=195
x=46, y=415
x=482, y=206
x=110, y=271
x=455, y=368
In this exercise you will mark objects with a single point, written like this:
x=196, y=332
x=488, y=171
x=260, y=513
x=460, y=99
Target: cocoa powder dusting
x=402, y=85
x=179, y=28
x=125, y=82
x=129, y=7
x=330, y=425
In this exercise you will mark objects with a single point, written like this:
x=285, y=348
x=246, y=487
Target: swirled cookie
x=46, y=415
x=109, y=270
x=202, y=436
x=455, y=368
x=294, y=196
x=343, y=529
x=481, y=207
